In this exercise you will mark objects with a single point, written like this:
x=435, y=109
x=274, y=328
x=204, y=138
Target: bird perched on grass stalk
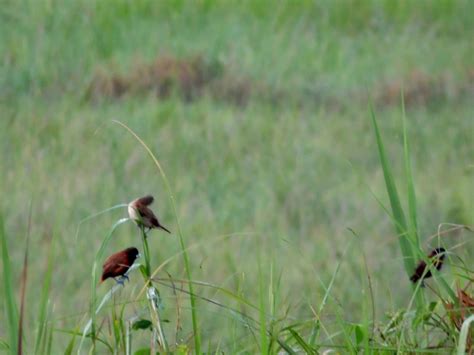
x=436, y=258
x=139, y=212
x=118, y=264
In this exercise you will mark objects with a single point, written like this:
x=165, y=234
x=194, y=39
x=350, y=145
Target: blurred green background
x=257, y=111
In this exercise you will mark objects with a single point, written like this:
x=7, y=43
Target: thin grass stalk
x=412, y=231
x=413, y=218
x=49, y=344
x=264, y=346
x=192, y=299
x=8, y=291
x=44, y=295
x=24, y=276
x=128, y=339
x=153, y=296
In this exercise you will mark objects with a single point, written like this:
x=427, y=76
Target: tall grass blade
x=464, y=334
x=153, y=296
x=192, y=298
x=24, y=276
x=262, y=313
x=49, y=344
x=71, y=344
x=306, y=347
x=8, y=291
x=413, y=219
x=43, y=306
x=399, y=216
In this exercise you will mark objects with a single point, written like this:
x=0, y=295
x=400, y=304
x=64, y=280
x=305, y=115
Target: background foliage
x=257, y=111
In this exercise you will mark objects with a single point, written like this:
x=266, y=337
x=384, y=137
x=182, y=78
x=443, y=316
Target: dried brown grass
x=194, y=77
x=189, y=78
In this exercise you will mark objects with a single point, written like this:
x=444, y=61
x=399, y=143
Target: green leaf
x=142, y=324
x=182, y=350
x=398, y=214
x=360, y=333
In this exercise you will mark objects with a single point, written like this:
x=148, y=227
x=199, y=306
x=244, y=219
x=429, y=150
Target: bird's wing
x=420, y=269
x=146, y=200
x=145, y=212
x=115, y=267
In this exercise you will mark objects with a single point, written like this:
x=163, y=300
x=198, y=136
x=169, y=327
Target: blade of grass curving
x=43, y=306
x=225, y=291
x=250, y=322
x=400, y=225
x=92, y=216
x=305, y=346
x=76, y=332
x=192, y=299
x=8, y=291
x=97, y=259
x=413, y=218
x=463, y=335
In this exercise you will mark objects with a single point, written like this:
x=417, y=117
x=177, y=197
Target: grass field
x=258, y=114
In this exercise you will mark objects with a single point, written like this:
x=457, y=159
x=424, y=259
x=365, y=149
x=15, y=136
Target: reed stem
x=153, y=297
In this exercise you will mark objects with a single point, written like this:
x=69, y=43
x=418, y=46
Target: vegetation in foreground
x=274, y=183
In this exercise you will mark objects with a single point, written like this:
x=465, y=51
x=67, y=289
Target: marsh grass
x=9, y=293
x=260, y=149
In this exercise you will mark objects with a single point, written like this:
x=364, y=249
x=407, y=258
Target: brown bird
x=436, y=258
x=118, y=264
x=139, y=212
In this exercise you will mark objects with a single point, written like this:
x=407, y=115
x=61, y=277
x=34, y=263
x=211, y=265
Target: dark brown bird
x=139, y=212
x=436, y=258
x=118, y=264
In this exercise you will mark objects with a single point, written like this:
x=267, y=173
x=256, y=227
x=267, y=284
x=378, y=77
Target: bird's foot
x=121, y=280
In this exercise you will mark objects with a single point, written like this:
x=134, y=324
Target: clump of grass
x=189, y=78
x=407, y=231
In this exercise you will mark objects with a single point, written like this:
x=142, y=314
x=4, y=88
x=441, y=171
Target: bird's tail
x=164, y=228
